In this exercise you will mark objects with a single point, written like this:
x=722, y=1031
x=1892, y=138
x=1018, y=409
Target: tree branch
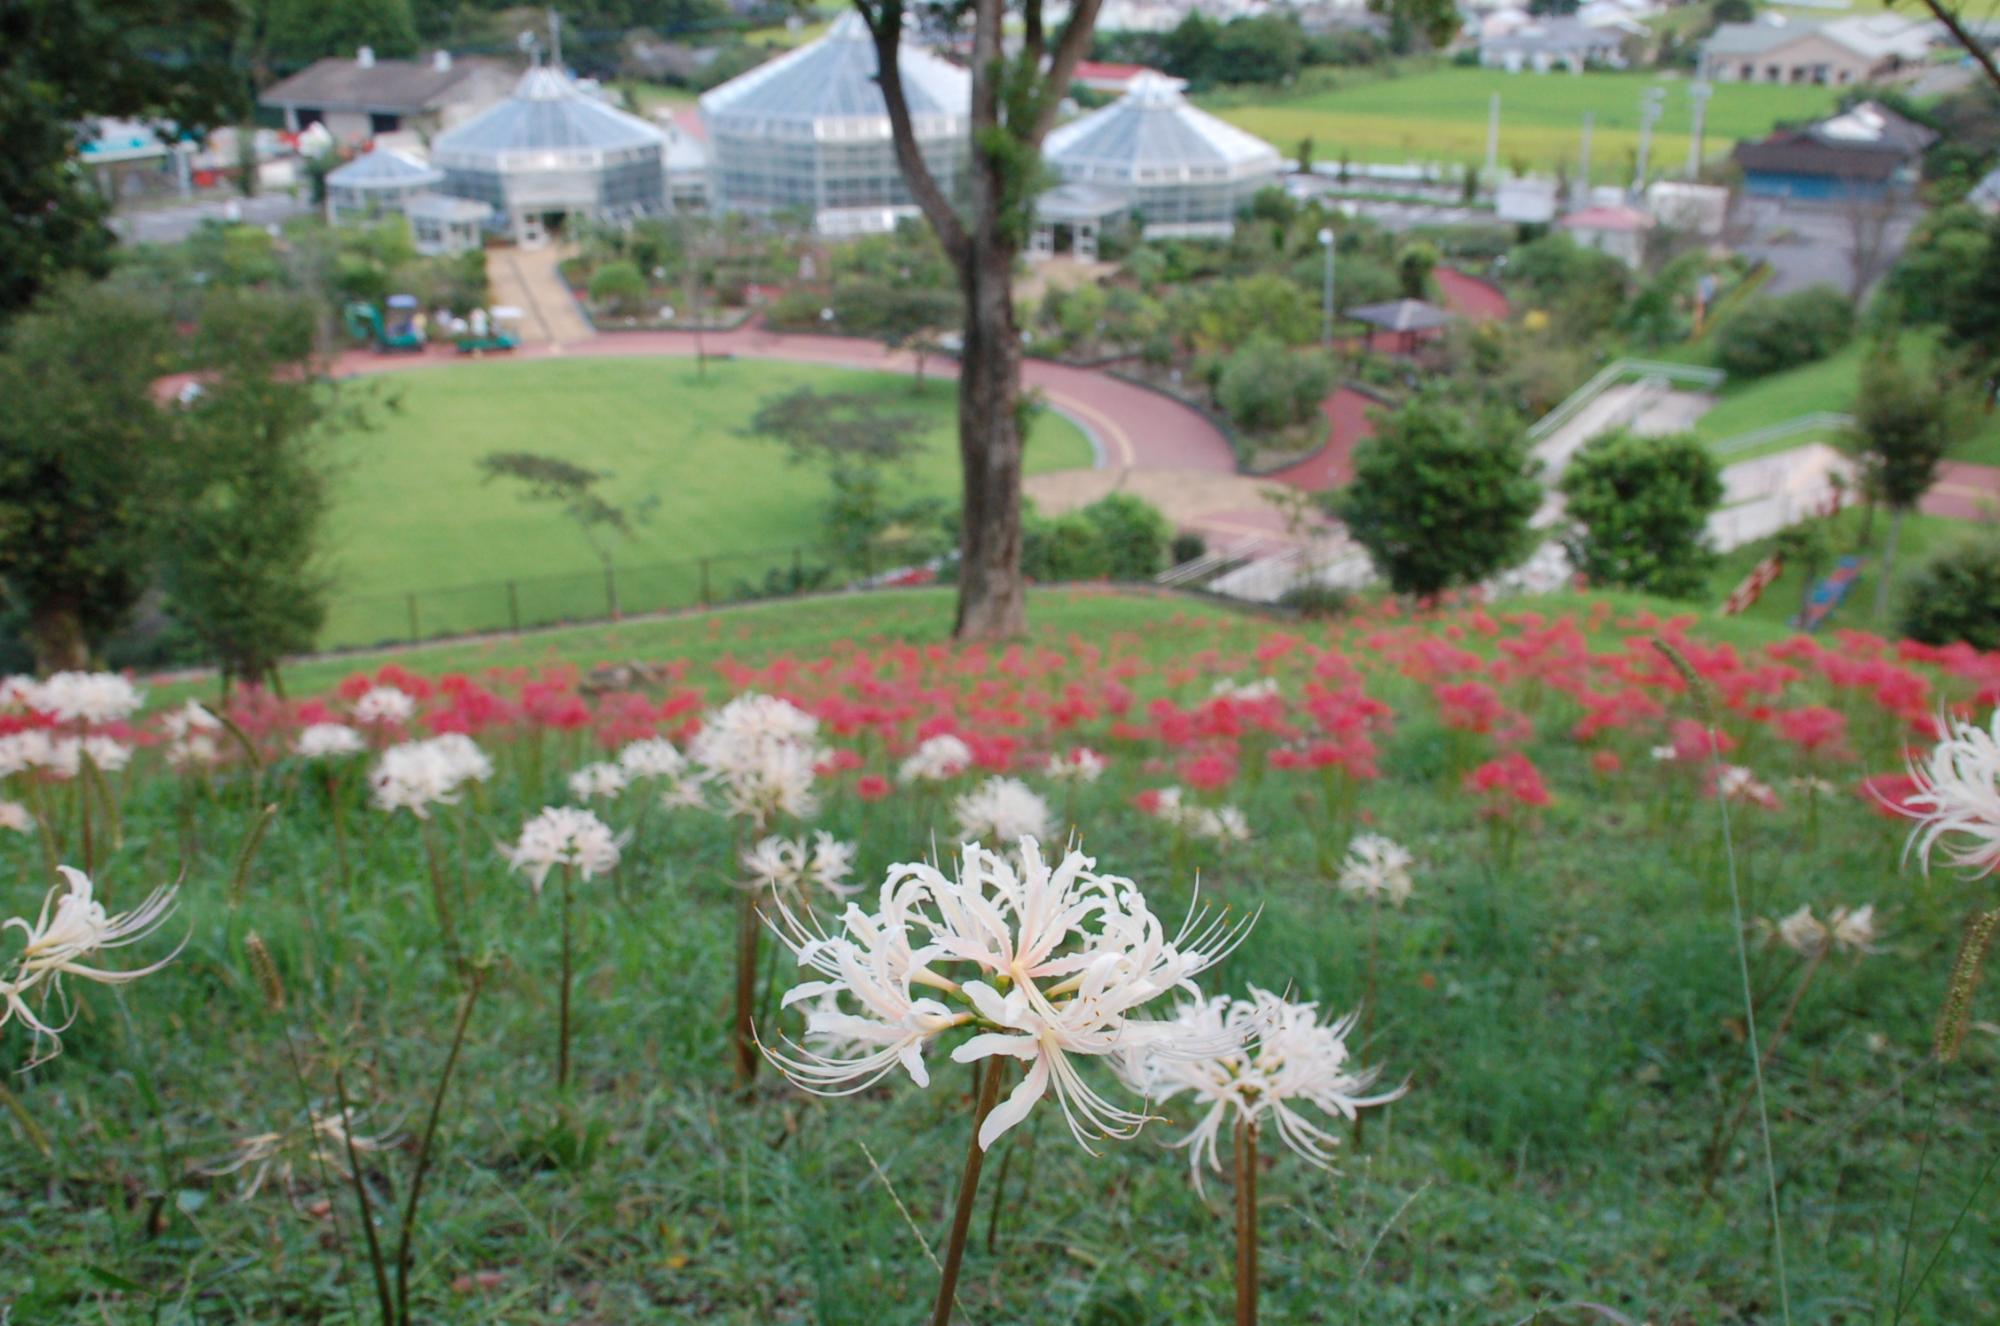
x=1948, y=16
x=1032, y=39
x=885, y=26
x=1070, y=48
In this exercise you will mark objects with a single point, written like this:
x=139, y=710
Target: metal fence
x=609, y=593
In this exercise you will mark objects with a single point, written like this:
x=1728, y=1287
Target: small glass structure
x=377, y=184
x=1179, y=171
x=550, y=151
x=809, y=132
x=440, y=223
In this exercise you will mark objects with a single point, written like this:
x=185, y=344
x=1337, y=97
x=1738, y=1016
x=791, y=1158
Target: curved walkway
x=1347, y=423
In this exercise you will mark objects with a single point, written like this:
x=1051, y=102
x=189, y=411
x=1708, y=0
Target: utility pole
x=1326, y=290
x=555, y=40
x=1582, y=188
x=1651, y=107
x=1493, y=138
x=1699, y=92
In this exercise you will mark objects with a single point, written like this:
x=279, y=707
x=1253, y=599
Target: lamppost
x=1326, y=294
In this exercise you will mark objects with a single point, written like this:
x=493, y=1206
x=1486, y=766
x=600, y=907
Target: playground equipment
x=491, y=332
x=400, y=332
x=1828, y=594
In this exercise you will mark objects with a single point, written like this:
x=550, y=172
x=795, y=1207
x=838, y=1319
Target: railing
x=609, y=593
x=1820, y=421
x=1623, y=370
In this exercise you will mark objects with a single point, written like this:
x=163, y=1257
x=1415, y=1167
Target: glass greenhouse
x=550, y=151
x=1180, y=171
x=377, y=183
x=809, y=131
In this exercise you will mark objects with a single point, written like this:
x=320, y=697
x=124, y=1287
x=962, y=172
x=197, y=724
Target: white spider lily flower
x=326, y=1142
x=564, y=836
x=327, y=741
x=1002, y=810
x=384, y=705
x=415, y=775
x=15, y=817
x=1081, y=765
x=107, y=753
x=788, y=865
x=687, y=792
x=1225, y=824
x=72, y=928
x=1736, y=783
x=28, y=749
x=87, y=697
x=189, y=717
x=1264, y=688
x=17, y=694
x=936, y=760
x=1377, y=867
x=1957, y=801
x=191, y=736
x=1851, y=930
x=1799, y=931
x=1045, y=964
x=597, y=780
x=1275, y=1057
x=652, y=757
x=760, y=751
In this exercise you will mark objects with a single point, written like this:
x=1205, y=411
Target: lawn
x=1440, y=115
x=1561, y=995
x=414, y=517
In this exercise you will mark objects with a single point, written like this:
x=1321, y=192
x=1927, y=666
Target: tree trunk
x=1888, y=564
x=992, y=602
x=58, y=639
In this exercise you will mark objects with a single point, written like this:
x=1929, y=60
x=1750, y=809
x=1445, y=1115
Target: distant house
x=1867, y=152
x=1112, y=79
x=1549, y=44
x=361, y=98
x=1774, y=49
x=1618, y=231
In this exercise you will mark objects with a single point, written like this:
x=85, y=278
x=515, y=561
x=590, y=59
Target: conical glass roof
x=1152, y=128
x=384, y=168
x=833, y=80
x=548, y=113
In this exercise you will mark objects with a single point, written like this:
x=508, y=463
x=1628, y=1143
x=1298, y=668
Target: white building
x=809, y=132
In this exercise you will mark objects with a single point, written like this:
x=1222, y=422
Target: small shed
x=1407, y=322
x=441, y=223
x=1618, y=231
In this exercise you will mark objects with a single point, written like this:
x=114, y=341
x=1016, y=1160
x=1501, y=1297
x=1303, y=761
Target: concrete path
x=528, y=279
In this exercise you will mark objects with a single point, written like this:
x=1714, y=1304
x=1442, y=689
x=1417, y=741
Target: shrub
x=620, y=288
x=1265, y=387
x=1640, y=507
x=1132, y=534
x=1771, y=335
x=1956, y=596
x=1067, y=547
x=1317, y=600
x=1187, y=546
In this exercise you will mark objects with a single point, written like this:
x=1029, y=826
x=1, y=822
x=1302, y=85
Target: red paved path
x=1964, y=491
x=1133, y=426
x=1347, y=423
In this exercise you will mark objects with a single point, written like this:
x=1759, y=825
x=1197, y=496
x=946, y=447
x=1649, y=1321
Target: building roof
x=1871, y=37
x=403, y=87
x=1153, y=128
x=1073, y=202
x=1555, y=35
x=444, y=207
x=1608, y=218
x=548, y=113
x=1873, y=125
x=384, y=168
x=1866, y=142
x=1401, y=315
x=1765, y=34
x=830, y=81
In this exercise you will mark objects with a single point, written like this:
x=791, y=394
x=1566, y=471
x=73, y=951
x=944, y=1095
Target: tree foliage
x=1440, y=498
x=1640, y=507
x=1581, y=289
x=1771, y=335
x=1266, y=387
x=250, y=485
x=80, y=465
x=850, y=437
x=574, y=489
x=1956, y=596
x=1904, y=424
x=65, y=61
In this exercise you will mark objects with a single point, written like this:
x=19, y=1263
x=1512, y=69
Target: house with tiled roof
x=1868, y=151
x=1842, y=52
x=364, y=97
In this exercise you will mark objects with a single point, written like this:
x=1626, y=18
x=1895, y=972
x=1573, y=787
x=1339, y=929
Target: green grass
x=414, y=516
x=1922, y=535
x=1440, y=115
x=1567, y=1017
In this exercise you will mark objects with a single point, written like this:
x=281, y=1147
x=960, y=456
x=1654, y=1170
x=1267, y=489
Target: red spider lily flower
x=1469, y=706
x=1888, y=795
x=1692, y=741
x=872, y=787
x=1812, y=728
x=1210, y=771
x=836, y=760
x=1510, y=778
x=1606, y=762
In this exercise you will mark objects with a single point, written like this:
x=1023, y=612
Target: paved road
x=169, y=225
x=1808, y=245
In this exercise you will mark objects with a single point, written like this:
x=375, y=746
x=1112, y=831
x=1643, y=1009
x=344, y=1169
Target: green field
x=414, y=517
x=1441, y=116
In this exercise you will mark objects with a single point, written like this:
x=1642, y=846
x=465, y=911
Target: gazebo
x=809, y=132
x=553, y=150
x=377, y=183
x=1411, y=320
x=1179, y=170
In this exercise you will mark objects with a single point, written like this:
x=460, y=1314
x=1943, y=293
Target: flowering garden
x=1167, y=967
